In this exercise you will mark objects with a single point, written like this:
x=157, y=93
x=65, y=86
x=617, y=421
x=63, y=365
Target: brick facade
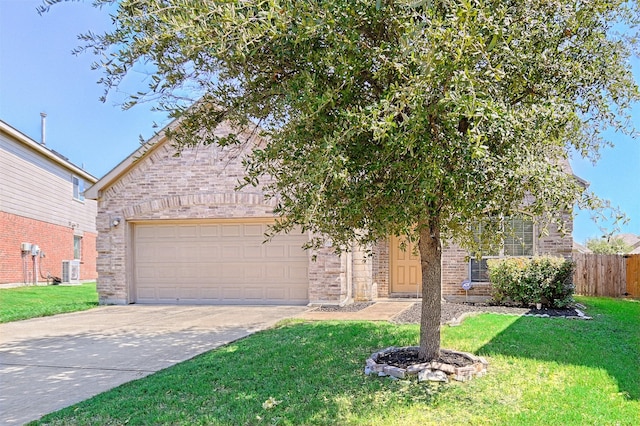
x=55, y=241
x=455, y=264
x=328, y=278
x=40, y=204
x=201, y=184
x=380, y=265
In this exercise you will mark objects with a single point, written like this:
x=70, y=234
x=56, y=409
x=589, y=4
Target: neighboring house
x=632, y=240
x=45, y=221
x=579, y=248
x=174, y=230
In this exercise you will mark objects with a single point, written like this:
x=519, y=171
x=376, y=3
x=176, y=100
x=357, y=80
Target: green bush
x=526, y=281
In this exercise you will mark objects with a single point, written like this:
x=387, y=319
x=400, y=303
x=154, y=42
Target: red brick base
x=55, y=241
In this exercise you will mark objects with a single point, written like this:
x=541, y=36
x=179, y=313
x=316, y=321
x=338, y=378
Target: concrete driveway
x=50, y=363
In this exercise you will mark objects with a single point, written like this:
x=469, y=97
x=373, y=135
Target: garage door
x=218, y=263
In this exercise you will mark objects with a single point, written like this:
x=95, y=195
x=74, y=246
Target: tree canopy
x=388, y=117
x=612, y=245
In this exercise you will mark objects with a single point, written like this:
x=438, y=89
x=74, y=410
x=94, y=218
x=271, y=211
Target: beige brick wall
x=455, y=264
x=380, y=266
x=455, y=269
x=556, y=244
x=199, y=184
x=328, y=278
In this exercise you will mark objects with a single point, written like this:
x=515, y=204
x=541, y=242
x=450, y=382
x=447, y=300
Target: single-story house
x=175, y=230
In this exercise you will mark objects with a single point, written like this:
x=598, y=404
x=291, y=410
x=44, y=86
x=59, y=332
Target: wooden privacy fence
x=612, y=275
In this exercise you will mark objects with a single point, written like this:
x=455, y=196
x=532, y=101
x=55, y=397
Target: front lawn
x=541, y=372
x=40, y=301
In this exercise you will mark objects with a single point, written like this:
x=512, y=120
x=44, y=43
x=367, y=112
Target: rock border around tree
x=435, y=371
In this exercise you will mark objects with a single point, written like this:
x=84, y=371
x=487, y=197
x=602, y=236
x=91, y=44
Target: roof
x=632, y=240
x=566, y=167
x=50, y=154
x=579, y=248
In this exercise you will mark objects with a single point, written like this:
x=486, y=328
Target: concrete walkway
x=50, y=363
x=379, y=311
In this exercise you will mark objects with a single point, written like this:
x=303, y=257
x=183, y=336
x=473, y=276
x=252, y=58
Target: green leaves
x=382, y=115
x=609, y=245
x=526, y=281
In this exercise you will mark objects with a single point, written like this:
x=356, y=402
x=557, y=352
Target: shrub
x=526, y=281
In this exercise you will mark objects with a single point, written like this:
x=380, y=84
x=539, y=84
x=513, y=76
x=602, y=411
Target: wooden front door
x=404, y=266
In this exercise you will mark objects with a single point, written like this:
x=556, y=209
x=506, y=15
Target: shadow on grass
x=312, y=373
x=611, y=341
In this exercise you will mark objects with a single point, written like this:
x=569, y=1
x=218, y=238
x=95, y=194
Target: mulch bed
x=405, y=357
x=451, y=311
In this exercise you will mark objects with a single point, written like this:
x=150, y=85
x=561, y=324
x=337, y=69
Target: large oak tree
x=411, y=117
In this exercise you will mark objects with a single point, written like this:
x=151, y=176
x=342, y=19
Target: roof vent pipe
x=43, y=122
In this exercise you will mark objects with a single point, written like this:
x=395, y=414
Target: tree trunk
x=430, y=257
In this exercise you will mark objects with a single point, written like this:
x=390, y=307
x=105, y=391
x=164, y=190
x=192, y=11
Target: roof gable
x=126, y=165
x=152, y=146
x=632, y=240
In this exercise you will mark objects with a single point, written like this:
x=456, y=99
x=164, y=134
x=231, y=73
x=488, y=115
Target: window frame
x=78, y=188
x=501, y=254
x=77, y=250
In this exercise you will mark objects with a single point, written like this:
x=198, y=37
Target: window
x=78, y=188
x=479, y=270
x=518, y=242
x=519, y=239
x=77, y=247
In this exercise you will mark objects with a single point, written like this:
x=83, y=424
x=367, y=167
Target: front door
x=404, y=266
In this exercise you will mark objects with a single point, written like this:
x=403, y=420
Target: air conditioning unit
x=71, y=271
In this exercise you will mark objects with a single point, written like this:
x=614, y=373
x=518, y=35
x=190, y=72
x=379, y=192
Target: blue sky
x=38, y=73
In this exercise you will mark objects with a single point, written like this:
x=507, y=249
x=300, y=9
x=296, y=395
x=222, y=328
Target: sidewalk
x=379, y=311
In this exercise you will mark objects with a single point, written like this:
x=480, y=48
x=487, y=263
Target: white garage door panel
x=218, y=263
x=209, y=230
x=210, y=294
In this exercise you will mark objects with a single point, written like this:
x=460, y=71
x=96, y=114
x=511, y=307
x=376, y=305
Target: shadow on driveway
x=50, y=363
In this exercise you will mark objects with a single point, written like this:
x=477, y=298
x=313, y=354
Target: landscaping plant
x=528, y=281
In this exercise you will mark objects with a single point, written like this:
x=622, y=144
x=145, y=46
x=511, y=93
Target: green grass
x=541, y=372
x=30, y=302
